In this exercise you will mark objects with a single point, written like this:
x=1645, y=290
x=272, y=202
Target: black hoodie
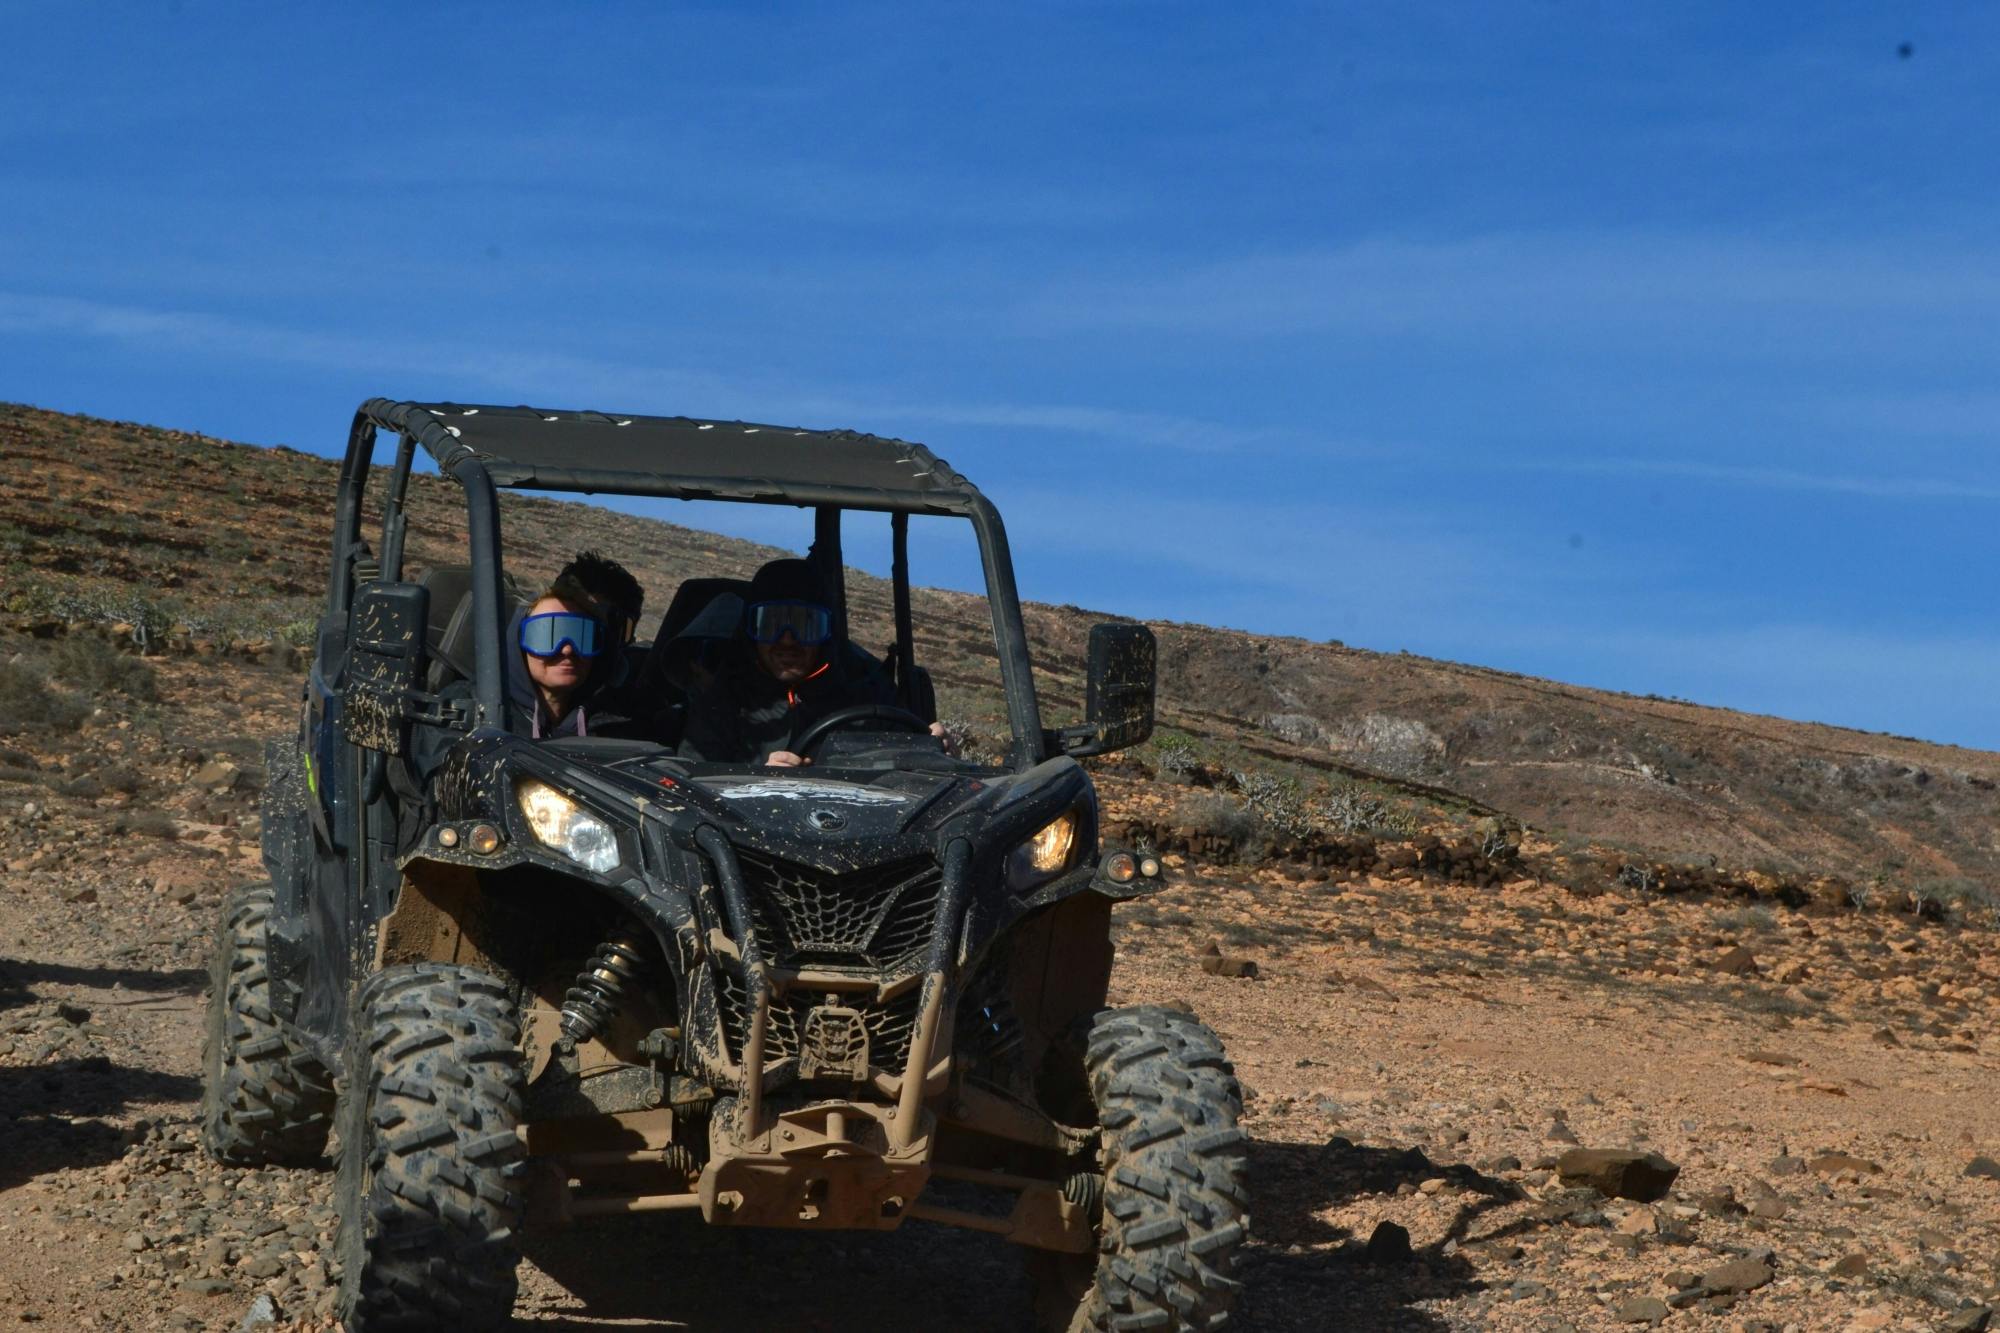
x=745, y=715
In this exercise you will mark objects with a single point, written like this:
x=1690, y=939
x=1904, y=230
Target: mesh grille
x=889, y=1025
x=879, y=918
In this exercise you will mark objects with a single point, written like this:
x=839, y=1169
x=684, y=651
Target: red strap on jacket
x=792, y=695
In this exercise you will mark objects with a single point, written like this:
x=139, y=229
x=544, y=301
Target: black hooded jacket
x=744, y=716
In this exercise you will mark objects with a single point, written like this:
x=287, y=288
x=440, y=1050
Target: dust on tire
x=1175, y=1204
x=430, y=1170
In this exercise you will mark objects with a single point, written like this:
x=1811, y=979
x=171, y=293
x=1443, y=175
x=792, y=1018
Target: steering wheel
x=855, y=715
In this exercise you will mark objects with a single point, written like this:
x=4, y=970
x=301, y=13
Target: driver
x=783, y=672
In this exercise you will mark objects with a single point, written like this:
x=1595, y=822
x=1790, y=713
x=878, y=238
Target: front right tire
x=429, y=1189
x=1176, y=1205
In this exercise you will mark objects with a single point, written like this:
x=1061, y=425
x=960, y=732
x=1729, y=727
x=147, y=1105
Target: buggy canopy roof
x=682, y=457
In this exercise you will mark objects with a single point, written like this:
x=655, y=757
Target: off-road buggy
x=560, y=979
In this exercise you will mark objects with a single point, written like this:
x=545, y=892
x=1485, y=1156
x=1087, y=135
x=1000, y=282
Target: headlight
x=561, y=824
x=1047, y=853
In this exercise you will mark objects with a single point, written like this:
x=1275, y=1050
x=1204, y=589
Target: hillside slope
x=183, y=534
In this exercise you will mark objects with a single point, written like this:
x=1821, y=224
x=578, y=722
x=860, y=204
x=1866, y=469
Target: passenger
x=783, y=671
x=549, y=677
x=560, y=639
x=611, y=586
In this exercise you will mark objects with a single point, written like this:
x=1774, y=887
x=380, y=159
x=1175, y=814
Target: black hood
x=522, y=698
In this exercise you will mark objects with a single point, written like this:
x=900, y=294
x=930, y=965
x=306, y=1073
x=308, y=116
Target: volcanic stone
x=1619, y=1173
x=1642, y=1310
x=1390, y=1244
x=1736, y=1276
x=1840, y=1163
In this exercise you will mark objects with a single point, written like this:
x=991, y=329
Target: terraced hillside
x=188, y=539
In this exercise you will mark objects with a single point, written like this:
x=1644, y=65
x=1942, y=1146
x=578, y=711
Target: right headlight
x=562, y=825
x=1047, y=853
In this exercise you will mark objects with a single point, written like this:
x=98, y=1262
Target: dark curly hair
x=609, y=584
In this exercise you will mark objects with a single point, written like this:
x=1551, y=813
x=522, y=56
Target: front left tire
x=429, y=1190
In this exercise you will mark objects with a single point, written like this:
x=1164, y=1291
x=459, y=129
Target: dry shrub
x=28, y=701
x=92, y=669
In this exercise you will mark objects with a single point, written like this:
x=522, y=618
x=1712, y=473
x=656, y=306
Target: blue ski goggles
x=546, y=634
x=807, y=622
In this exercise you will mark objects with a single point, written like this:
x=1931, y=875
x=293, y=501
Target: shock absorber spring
x=600, y=987
x=1085, y=1189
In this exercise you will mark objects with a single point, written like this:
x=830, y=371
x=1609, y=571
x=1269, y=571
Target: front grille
x=879, y=918
x=890, y=1025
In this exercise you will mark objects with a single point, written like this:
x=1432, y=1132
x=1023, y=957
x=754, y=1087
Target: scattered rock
x=1778, y=1058
x=1984, y=1168
x=1736, y=1277
x=1642, y=1310
x=1390, y=1244
x=263, y=1313
x=1738, y=962
x=1639, y=1222
x=1971, y=1319
x=1619, y=1173
x=1222, y=965
x=1841, y=1164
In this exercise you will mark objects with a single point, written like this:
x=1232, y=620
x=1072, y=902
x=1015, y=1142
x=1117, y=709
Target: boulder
x=1619, y=1173
x=1389, y=1244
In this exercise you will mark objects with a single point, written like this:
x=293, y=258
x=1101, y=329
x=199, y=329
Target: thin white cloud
x=553, y=377
x=1769, y=478
x=1657, y=286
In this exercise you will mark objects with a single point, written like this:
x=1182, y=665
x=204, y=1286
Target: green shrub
x=1275, y=800
x=1349, y=809
x=1176, y=756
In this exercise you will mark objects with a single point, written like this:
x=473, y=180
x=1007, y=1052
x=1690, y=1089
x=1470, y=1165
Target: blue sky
x=1650, y=347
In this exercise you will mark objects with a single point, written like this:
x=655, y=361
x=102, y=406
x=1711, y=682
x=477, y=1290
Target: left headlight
x=564, y=826
x=1047, y=853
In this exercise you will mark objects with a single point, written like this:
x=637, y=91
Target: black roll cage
x=481, y=477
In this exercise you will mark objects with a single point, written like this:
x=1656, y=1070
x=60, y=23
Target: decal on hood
x=808, y=791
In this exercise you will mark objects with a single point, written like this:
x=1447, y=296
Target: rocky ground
x=1419, y=1057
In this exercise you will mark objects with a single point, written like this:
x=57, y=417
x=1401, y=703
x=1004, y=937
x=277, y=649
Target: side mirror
x=385, y=665
x=1118, y=704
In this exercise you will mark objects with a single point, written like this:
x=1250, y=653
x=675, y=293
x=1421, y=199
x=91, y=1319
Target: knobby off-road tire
x=1175, y=1205
x=264, y=1102
x=430, y=1173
